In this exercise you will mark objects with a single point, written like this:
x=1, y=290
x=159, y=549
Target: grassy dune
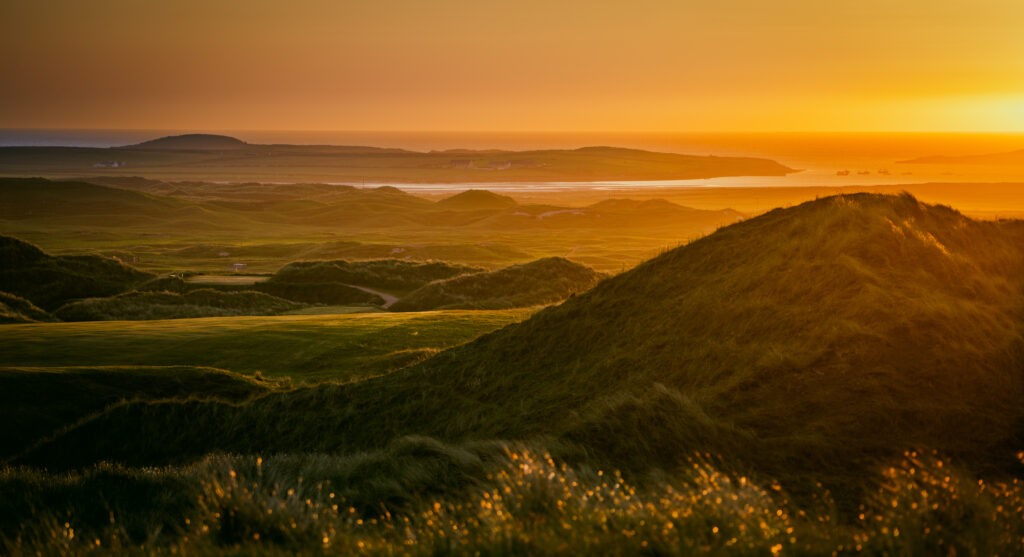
x=303, y=347
x=38, y=401
x=909, y=337
x=840, y=377
x=540, y=282
x=170, y=305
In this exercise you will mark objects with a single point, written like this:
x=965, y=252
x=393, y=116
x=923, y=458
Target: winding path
x=388, y=298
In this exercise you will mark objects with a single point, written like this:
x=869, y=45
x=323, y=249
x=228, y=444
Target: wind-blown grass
x=422, y=497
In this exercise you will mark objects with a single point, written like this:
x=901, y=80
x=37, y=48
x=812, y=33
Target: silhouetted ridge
x=191, y=141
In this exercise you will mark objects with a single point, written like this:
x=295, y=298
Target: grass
x=540, y=282
x=50, y=282
x=176, y=227
x=36, y=402
x=421, y=497
x=201, y=302
x=391, y=275
x=839, y=377
x=303, y=347
x=908, y=337
x=15, y=309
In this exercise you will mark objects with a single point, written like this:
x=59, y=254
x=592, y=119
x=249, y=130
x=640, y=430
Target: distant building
x=238, y=267
x=501, y=165
x=460, y=163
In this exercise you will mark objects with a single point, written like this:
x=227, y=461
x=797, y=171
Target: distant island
x=191, y=141
x=224, y=158
x=995, y=159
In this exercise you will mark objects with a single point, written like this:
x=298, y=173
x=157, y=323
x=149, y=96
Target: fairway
x=302, y=347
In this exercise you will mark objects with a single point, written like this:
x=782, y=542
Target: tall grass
x=420, y=497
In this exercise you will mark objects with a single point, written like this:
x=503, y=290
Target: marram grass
x=512, y=502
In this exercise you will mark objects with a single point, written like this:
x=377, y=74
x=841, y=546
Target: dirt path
x=388, y=298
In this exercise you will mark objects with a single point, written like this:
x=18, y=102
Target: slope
x=50, y=282
x=544, y=281
x=810, y=339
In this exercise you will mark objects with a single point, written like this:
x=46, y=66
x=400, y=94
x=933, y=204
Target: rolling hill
x=36, y=402
x=806, y=343
x=51, y=281
x=475, y=200
x=544, y=281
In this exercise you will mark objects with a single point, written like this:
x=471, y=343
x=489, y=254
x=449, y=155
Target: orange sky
x=639, y=65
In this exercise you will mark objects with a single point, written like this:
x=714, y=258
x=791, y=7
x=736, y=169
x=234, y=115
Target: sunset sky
x=641, y=65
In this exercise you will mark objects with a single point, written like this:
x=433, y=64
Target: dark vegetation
x=49, y=282
x=15, y=309
x=385, y=274
x=540, y=282
x=203, y=302
x=36, y=402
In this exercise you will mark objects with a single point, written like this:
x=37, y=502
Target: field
x=300, y=347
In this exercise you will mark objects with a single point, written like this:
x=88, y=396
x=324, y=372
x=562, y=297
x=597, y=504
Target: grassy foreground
x=422, y=497
x=302, y=347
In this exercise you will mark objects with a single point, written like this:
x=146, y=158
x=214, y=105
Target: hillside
x=544, y=281
x=202, y=302
x=15, y=309
x=36, y=402
x=387, y=274
x=815, y=338
x=49, y=282
x=609, y=214
x=34, y=198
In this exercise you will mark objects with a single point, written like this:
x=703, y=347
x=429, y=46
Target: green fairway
x=303, y=347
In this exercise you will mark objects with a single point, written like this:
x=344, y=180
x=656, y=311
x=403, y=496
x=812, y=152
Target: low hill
x=387, y=274
x=15, y=309
x=475, y=200
x=191, y=141
x=51, y=281
x=204, y=302
x=609, y=214
x=544, y=281
x=35, y=198
x=805, y=343
x=36, y=402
